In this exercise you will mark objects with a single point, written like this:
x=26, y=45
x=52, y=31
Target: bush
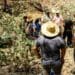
x=19, y=53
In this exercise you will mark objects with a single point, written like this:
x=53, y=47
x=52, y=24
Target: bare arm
x=63, y=51
x=35, y=51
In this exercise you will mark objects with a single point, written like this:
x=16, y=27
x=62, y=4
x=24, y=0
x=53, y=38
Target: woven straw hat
x=50, y=29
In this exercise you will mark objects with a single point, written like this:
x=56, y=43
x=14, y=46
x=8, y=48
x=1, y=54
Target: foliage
x=17, y=55
x=68, y=10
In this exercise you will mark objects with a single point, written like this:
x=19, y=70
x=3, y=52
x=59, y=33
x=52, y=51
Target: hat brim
x=45, y=32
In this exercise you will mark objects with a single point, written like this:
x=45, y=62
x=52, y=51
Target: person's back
x=68, y=32
x=50, y=47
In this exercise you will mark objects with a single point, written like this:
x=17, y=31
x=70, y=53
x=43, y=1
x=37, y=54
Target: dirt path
x=69, y=62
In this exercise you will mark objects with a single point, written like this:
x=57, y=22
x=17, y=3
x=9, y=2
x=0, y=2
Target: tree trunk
x=5, y=5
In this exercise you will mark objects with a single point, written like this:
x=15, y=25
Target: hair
x=37, y=20
x=68, y=22
x=25, y=17
x=57, y=14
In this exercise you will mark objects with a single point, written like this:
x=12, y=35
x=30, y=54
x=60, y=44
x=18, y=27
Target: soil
x=68, y=66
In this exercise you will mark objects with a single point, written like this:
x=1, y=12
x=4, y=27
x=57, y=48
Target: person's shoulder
x=59, y=38
x=40, y=38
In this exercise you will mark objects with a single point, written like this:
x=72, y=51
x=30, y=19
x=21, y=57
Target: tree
x=7, y=7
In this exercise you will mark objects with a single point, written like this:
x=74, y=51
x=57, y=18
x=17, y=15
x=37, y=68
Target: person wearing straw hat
x=36, y=27
x=47, y=16
x=27, y=25
x=50, y=47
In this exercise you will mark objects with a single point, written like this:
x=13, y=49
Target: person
x=68, y=31
x=73, y=40
x=58, y=19
x=46, y=17
x=48, y=14
x=36, y=27
x=50, y=47
x=27, y=28
x=25, y=23
x=74, y=45
x=33, y=25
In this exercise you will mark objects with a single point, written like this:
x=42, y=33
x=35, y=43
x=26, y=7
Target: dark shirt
x=68, y=24
x=37, y=26
x=50, y=47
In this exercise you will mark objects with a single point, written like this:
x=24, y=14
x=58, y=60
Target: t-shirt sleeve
x=37, y=43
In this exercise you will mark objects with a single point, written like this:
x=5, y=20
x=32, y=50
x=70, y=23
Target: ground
x=69, y=62
x=66, y=70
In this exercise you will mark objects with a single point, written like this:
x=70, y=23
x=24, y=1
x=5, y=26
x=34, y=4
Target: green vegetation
x=17, y=54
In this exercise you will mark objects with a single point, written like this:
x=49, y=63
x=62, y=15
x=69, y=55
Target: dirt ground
x=66, y=70
x=69, y=62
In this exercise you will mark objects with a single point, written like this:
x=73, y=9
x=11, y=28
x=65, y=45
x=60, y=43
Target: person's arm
x=72, y=24
x=34, y=27
x=35, y=51
x=62, y=20
x=54, y=18
x=63, y=51
x=36, y=48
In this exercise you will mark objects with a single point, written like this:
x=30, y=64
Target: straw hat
x=50, y=29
